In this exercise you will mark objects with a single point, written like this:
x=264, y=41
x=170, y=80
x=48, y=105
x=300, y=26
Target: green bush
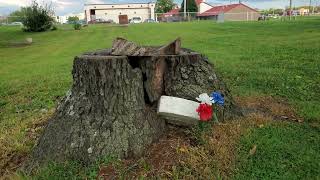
x=54, y=28
x=77, y=26
x=73, y=19
x=37, y=18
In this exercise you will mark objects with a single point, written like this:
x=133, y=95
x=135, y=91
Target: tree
x=37, y=18
x=73, y=19
x=191, y=6
x=17, y=16
x=111, y=107
x=273, y=11
x=163, y=6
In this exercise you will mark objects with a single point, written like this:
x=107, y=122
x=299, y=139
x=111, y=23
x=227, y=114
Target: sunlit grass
x=280, y=59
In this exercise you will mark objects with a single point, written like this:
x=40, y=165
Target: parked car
x=16, y=24
x=149, y=21
x=274, y=16
x=135, y=20
x=100, y=21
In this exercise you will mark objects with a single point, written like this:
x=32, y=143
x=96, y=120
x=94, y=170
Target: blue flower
x=217, y=98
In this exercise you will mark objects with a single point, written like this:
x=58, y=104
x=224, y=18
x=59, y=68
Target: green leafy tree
x=17, y=16
x=163, y=6
x=191, y=6
x=273, y=11
x=37, y=18
x=73, y=19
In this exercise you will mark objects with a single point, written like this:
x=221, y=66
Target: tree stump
x=111, y=107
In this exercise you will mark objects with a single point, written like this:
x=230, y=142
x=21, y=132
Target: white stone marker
x=178, y=111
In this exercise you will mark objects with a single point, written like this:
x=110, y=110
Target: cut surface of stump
x=111, y=108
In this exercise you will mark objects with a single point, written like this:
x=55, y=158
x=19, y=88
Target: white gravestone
x=178, y=111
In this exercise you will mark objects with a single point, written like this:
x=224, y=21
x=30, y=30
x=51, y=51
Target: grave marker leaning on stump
x=111, y=108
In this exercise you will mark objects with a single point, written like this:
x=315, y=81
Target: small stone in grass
x=253, y=150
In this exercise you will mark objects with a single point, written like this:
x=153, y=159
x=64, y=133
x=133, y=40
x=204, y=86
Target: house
x=303, y=11
x=203, y=6
x=171, y=16
x=172, y=12
x=111, y=12
x=64, y=19
x=232, y=12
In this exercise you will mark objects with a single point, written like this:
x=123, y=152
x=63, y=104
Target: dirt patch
x=158, y=161
x=276, y=108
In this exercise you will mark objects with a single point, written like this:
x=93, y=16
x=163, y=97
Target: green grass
x=70, y=170
x=255, y=58
x=281, y=153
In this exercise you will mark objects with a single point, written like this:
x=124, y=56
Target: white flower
x=90, y=150
x=205, y=98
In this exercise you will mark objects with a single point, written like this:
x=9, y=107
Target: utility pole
x=290, y=9
x=310, y=7
x=184, y=8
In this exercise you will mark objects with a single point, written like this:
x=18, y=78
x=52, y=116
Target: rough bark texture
x=111, y=108
x=104, y=113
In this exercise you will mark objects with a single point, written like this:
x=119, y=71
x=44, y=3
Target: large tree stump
x=111, y=107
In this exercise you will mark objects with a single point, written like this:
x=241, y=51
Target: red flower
x=205, y=112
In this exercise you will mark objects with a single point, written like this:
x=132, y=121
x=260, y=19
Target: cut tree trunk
x=111, y=107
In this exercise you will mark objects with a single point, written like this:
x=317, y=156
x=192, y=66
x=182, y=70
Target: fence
x=167, y=17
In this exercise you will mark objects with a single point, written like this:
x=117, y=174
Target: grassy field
x=256, y=59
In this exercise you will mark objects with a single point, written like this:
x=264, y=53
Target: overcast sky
x=63, y=7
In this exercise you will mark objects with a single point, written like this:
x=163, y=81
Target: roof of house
x=198, y=2
x=172, y=12
x=222, y=9
x=120, y=3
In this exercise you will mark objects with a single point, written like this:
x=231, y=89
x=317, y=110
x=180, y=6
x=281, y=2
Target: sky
x=63, y=7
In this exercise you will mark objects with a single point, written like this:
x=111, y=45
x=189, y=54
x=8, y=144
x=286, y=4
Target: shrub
x=54, y=28
x=73, y=19
x=77, y=26
x=37, y=18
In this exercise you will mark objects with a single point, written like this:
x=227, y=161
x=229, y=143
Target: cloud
x=4, y=3
x=94, y=2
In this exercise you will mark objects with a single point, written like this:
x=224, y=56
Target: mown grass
x=284, y=151
x=280, y=59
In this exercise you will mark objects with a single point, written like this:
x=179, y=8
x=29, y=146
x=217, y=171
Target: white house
x=203, y=6
x=64, y=19
x=112, y=11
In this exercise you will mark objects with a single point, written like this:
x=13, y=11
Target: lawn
x=256, y=59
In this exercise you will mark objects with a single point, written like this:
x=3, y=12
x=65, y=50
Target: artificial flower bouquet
x=207, y=109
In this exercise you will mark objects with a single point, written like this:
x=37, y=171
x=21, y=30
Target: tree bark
x=111, y=107
x=104, y=113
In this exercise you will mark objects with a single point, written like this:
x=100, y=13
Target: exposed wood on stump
x=122, y=47
x=111, y=108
